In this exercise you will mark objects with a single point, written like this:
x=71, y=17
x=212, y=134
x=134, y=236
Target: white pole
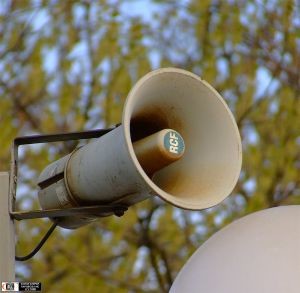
x=7, y=233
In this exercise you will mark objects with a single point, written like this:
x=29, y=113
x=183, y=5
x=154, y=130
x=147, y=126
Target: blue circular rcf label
x=174, y=143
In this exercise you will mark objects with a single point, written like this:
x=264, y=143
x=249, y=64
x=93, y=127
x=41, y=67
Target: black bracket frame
x=96, y=210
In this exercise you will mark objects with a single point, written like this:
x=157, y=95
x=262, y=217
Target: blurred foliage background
x=69, y=65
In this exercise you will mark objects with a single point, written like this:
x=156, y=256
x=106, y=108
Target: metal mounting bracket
x=97, y=211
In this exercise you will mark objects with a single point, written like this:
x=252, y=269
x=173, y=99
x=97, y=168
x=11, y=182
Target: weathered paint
x=108, y=170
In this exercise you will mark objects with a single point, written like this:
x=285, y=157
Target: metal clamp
x=97, y=211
